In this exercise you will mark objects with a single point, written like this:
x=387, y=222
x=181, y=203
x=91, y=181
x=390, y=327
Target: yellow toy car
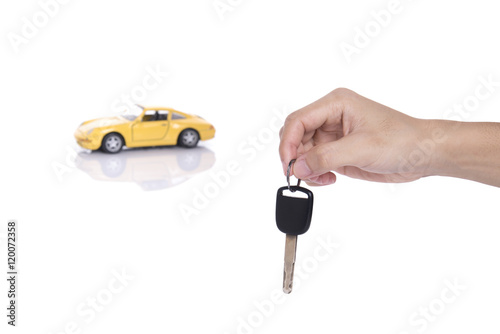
x=150, y=126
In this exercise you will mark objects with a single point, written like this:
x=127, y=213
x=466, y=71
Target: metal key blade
x=290, y=250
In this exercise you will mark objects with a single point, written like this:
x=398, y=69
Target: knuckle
x=290, y=119
x=342, y=92
x=343, y=96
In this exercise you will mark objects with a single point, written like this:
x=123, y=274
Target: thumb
x=346, y=151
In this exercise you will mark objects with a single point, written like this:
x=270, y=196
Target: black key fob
x=293, y=214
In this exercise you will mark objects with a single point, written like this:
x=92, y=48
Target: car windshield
x=132, y=113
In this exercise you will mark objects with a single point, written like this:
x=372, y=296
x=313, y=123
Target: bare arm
x=470, y=151
x=349, y=134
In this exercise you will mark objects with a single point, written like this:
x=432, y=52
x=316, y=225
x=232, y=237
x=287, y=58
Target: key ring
x=288, y=176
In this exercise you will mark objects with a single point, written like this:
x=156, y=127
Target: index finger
x=300, y=125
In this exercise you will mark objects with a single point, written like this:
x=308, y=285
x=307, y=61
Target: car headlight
x=90, y=131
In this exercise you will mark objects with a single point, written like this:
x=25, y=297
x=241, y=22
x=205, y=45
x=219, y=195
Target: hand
x=354, y=136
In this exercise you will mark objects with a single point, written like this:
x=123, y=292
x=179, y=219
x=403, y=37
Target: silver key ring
x=288, y=175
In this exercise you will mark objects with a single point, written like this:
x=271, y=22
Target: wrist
x=441, y=137
x=467, y=150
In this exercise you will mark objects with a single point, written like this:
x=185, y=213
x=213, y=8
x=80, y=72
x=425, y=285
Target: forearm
x=467, y=150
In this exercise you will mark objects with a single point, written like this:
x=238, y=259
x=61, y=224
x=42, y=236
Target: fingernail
x=300, y=169
x=285, y=166
x=330, y=180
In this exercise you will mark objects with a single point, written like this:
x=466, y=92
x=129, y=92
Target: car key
x=293, y=217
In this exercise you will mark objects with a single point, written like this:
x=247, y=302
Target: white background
x=398, y=244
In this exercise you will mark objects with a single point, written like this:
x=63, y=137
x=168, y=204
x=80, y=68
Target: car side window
x=149, y=115
x=155, y=115
x=177, y=116
x=162, y=115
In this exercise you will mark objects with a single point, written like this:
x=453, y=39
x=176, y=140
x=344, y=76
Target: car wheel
x=189, y=138
x=112, y=143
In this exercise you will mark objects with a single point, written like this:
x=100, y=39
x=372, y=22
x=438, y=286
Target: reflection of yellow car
x=151, y=169
x=144, y=127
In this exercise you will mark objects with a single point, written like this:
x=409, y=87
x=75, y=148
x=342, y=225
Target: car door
x=152, y=128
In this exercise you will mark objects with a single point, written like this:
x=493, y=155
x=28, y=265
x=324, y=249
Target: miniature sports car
x=143, y=127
